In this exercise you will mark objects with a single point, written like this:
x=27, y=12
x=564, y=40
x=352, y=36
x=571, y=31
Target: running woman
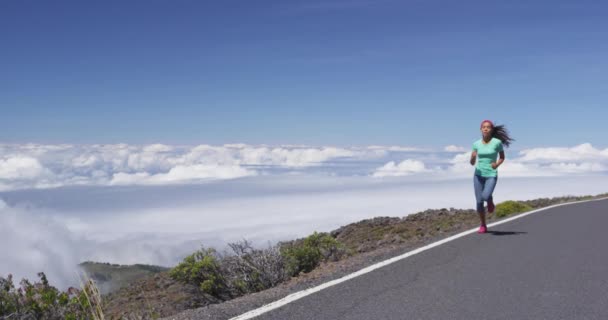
x=485, y=151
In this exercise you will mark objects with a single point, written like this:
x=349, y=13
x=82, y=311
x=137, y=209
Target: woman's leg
x=487, y=192
x=478, y=183
x=488, y=189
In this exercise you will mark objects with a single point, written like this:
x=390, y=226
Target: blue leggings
x=484, y=187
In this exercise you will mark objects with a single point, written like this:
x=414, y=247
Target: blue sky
x=421, y=73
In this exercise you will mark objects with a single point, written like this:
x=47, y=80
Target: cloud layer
x=45, y=166
x=34, y=242
x=35, y=166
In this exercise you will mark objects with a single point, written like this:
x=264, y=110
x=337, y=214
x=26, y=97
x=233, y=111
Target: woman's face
x=486, y=129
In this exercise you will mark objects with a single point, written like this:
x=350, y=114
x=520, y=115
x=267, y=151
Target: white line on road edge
x=301, y=294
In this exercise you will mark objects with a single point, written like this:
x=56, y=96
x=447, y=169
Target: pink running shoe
x=482, y=229
x=491, y=207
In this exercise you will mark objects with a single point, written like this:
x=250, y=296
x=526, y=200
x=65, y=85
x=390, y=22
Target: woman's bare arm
x=473, y=157
x=501, y=159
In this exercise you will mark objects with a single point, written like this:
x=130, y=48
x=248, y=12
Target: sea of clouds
x=64, y=204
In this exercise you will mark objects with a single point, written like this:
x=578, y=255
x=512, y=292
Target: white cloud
x=35, y=242
x=460, y=165
x=200, y=171
x=519, y=169
x=122, y=178
x=296, y=157
x=404, y=168
x=181, y=174
x=585, y=167
x=394, y=148
x=453, y=148
x=20, y=167
x=581, y=152
x=235, y=145
x=577, y=160
x=157, y=148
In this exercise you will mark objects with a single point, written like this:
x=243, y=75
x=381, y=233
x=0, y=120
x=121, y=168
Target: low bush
x=40, y=300
x=244, y=270
x=305, y=255
x=202, y=268
x=507, y=208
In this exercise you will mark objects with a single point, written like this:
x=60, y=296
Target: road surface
x=551, y=264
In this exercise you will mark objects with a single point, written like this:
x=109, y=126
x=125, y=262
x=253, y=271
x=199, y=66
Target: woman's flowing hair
x=501, y=133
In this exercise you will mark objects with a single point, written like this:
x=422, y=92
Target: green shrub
x=40, y=300
x=506, y=208
x=252, y=270
x=202, y=269
x=304, y=256
x=301, y=259
x=228, y=276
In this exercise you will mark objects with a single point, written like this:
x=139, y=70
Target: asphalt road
x=548, y=265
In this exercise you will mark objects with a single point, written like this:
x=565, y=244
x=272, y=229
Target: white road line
x=301, y=294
